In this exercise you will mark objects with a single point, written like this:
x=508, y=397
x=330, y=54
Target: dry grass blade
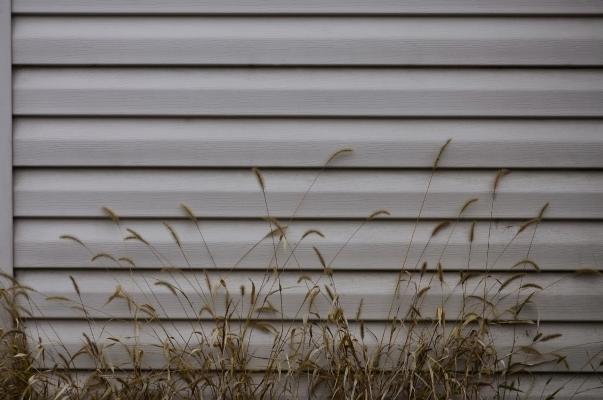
x=173, y=233
x=189, y=212
x=128, y=261
x=440, y=273
x=168, y=285
x=498, y=178
x=533, y=221
x=111, y=214
x=312, y=232
x=552, y=336
x=75, y=285
x=338, y=154
x=320, y=257
x=531, y=286
x=440, y=154
x=260, y=178
x=440, y=227
x=467, y=204
x=527, y=262
x=378, y=213
x=73, y=239
x=472, y=232
x=104, y=256
x=510, y=280
x=135, y=236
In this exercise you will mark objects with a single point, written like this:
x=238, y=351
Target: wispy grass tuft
x=239, y=343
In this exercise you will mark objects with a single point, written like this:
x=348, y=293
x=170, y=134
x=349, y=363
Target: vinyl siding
x=345, y=41
x=140, y=106
x=420, y=7
x=303, y=142
x=558, y=246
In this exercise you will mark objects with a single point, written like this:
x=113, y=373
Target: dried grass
x=332, y=355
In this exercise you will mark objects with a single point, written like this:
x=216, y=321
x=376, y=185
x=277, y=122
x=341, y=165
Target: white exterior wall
x=142, y=105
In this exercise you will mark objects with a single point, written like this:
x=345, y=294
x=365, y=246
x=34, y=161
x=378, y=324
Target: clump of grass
x=238, y=342
x=16, y=360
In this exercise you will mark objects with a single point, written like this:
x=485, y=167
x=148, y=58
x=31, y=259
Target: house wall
x=140, y=106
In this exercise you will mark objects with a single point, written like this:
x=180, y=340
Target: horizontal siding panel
x=307, y=41
x=578, y=341
x=308, y=92
x=565, y=298
x=335, y=194
x=379, y=245
x=312, y=6
x=307, y=142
